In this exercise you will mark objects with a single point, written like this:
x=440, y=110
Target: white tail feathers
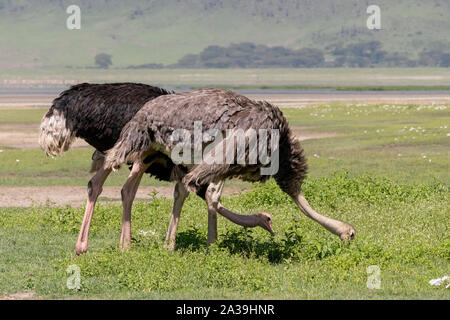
x=54, y=137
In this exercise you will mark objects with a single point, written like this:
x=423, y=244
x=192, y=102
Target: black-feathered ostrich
x=151, y=131
x=97, y=113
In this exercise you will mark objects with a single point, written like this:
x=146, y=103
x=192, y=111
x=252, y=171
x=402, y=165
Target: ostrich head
x=347, y=232
x=263, y=220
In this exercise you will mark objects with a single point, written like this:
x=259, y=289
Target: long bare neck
x=334, y=226
x=242, y=220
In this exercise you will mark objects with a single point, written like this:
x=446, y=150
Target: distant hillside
x=136, y=32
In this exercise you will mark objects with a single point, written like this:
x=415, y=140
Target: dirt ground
x=25, y=137
x=296, y=100
x=29, y=295
x=76, y=196
x=26, y=100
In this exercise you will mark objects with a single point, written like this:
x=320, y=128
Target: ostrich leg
x=262, y=220
x=212, y=197
x=94, y=190
x=213, y=194
x=342, y=229
x=179, y=195
x=128, y=193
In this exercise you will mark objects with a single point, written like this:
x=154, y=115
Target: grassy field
x=383, y=168
x=340, y=78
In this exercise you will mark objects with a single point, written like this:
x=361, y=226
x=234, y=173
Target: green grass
x=375, y=173
x=35, y=169
x=22, y=116
x=402, y=228
x=408, y=143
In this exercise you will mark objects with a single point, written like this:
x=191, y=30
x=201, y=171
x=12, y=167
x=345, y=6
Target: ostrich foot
x=125, y=241
x=169, y=245
x=124, y=246
x=81, y=248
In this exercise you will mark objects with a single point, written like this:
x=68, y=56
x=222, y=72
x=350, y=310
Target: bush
x=103, y=60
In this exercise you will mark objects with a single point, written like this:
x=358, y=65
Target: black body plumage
x=98, y=112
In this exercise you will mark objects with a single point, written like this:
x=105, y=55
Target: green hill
x=134, y=32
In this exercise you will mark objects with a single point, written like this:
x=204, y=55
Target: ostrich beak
x=266, y=222
x=269, y=228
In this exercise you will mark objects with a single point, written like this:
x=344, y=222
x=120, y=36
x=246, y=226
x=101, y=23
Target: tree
x=212, y=52
x=188, y=61
x=430, y=58
x=103, y=60
x=445, y=60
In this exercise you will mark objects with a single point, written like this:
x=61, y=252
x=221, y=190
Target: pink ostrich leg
x=128, y=194
x=179, y=195
x=94, y=190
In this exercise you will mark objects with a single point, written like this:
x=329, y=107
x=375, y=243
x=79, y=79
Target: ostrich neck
x=331, y=225
x=242, y=220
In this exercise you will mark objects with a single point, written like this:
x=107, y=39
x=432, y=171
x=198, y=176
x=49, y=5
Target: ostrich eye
x=268, y=219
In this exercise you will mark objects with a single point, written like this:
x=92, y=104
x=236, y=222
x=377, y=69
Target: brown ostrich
x=97, y=113
x=151, y=132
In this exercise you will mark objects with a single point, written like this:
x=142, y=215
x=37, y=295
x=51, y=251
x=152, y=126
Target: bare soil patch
x=24, y=136
x=302, y=135
x=76, y=196
x=296, y=100
x=21, y=101
x=29, y=295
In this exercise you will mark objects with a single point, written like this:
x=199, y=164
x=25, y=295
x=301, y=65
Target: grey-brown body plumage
x=149, y=133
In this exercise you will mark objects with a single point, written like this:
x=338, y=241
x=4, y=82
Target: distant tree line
x=147, y=66
x=357, y=55
x=250, y=55
x=371, y=54
x=435, y=58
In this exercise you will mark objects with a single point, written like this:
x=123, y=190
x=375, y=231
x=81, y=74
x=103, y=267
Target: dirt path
x=24, y=136
x=296, y=100
x=23, y=101
x=76, y=196
x=29, y=295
